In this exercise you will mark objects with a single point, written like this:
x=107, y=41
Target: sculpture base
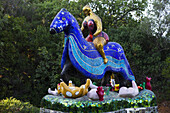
x=153, y=109
x=145, y=100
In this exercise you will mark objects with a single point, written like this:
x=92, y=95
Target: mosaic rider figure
x=94, y=24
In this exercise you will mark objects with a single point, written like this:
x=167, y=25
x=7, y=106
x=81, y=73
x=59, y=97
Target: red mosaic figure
x=148, y=84
x=100, y=92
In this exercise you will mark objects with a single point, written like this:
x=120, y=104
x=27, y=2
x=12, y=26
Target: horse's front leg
x=65, y=76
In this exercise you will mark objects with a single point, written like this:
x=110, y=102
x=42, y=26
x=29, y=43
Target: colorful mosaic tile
x=112, y=102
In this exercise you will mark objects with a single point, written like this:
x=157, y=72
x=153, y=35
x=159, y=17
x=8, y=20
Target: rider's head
x=87, y=10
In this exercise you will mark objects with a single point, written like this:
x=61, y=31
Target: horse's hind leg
x=122, y=81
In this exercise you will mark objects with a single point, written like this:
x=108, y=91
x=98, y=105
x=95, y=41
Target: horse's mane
x=75, y=30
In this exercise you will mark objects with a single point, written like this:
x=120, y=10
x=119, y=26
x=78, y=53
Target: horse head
x=60, y=22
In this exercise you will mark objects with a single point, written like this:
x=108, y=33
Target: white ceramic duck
x=129, y=92
x=92, y=93
x=55, y=92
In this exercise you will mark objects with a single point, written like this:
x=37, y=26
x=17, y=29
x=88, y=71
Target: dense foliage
x=12, y=105
x=30, y=56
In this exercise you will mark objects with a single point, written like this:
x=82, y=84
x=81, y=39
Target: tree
x=159, y=18
x=30, y=56
x=117, y=12
x=166, y=74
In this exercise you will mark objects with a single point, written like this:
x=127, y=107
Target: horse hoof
x=105, y=60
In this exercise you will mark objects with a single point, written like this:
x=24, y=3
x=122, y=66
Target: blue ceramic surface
x=84, y=56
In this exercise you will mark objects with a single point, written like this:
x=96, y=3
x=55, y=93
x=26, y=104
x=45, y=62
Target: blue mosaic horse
x=83, y=55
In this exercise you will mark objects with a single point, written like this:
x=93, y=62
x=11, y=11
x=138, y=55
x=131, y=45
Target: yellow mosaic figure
x=71, y=91
x=94, y=24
